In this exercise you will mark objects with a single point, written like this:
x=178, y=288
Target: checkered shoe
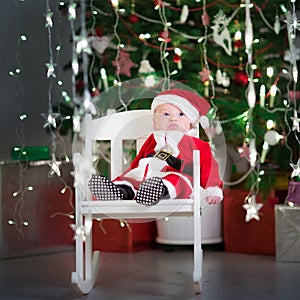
x=150, y=191
x=104, y=189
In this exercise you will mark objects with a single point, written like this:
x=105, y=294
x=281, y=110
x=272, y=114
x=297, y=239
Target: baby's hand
x=213, y=199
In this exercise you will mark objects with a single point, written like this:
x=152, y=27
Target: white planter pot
x=180, y=230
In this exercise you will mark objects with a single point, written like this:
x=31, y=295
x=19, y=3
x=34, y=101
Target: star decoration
x=296, y=169
x=252, y=209
x=124, y=64
x=82, y=45
x=295, y=120
x=72, y=11
x=50, y=70
x=83, y=230
x=54, y=166
x=84, y=170
x=205, y=73
x=78, y=232
x=50, y=119
x=75, y=65
x=76, y=123
x=49, y=22
x=244, y=150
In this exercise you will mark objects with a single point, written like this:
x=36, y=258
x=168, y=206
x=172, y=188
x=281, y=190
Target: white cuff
x=213, y=191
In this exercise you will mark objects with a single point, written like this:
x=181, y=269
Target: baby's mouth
x=173, y=126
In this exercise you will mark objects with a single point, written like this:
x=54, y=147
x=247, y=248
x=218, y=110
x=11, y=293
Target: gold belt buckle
x=163, y=155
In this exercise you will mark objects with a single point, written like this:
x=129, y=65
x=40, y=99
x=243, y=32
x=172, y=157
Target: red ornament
x=257, y=73
x=165, y=35
x=177, y=58
x=158, y=3
x=241, y=78
x=205, y=19
x=133, y=18
x=238, y=44
x=98, y=31
x=95, y=93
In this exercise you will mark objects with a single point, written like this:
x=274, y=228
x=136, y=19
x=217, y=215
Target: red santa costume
x=166, y=158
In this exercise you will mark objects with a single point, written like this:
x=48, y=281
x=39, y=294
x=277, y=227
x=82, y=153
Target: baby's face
x=170, y=117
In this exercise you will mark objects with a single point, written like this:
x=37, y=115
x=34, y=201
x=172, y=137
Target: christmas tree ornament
x=251, y=95
x=164, y=35
x=225, y=80
x=238, y=44
x=184, y=14
x=252, y=209
x=50, y=70
x=241, y=78
x=100, y=44
x=248, y=31
x=72, y=11
x=123, y=64
x=205, y=73
x=252, y=152
x=98, y=31
x=218, y=127
x=145, y=67
x=221, y=34
x=205, y=18
x=296, y=169
x=54, y=166
x=133, y=19
x=272, y=137
x=48, y=16
x=257, y=73
x=244, y=150
x=295, y=120
x=50, y=119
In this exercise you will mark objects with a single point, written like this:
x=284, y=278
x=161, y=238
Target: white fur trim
x=183, y=104
x=168, y=141
x=213, y=191
x=204, y=122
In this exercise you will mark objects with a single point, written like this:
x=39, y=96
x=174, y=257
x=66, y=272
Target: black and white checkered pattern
x=104, y=189
x=150, y=191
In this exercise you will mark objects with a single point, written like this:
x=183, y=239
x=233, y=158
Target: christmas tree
x=240, y=55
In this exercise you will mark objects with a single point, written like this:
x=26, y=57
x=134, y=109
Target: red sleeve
x=209, y=167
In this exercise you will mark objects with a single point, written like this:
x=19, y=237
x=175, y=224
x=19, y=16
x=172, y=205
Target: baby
x=163, y=168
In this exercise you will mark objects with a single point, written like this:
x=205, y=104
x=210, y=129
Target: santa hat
x=192, y=105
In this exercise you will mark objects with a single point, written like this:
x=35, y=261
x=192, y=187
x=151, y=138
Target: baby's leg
x=151, y=191
x=104, y=189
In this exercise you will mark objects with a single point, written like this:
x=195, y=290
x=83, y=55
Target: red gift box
x=253, y=237
x=119, y=236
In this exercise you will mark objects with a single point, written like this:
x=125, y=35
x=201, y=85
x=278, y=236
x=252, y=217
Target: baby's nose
x=173, y=117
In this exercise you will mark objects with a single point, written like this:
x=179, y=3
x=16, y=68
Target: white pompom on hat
x=192, y=105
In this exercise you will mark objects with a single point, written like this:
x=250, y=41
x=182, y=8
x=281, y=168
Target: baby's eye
x=166, y=114
x=181, y=114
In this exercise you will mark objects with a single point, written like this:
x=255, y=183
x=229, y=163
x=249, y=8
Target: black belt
x=171, y=160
